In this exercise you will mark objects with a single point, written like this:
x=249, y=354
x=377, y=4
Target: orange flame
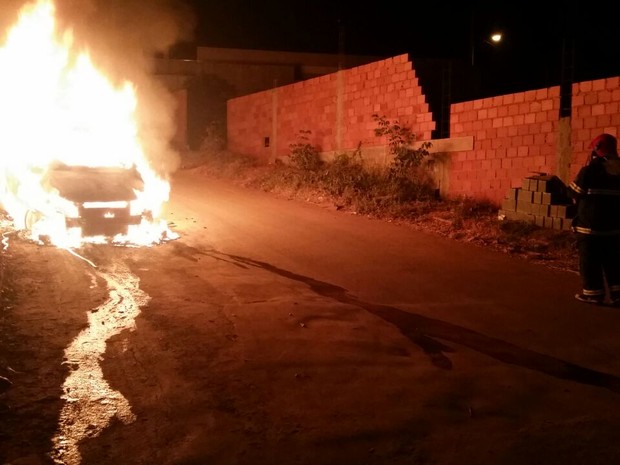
x=56, y=106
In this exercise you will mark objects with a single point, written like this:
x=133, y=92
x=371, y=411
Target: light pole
x=493, y=39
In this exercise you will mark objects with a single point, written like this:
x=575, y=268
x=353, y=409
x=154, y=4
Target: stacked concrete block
x=542, y=200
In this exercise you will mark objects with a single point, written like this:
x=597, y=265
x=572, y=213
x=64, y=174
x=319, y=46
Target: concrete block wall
x=337, y=108
x=517, y=134
x=249, y=122
x=595, y=109
x=388, y=88
x=306, y=105
x=514, y=136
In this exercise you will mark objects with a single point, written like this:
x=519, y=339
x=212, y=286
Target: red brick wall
x=595, y=109
x=249, y=122
x=389, y=88
x=514, y=135
x=307, y=105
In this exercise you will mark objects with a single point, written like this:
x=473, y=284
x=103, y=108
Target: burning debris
x=90, y=402
x=72, y=168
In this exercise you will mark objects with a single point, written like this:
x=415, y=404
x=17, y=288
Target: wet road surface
x=274, y=331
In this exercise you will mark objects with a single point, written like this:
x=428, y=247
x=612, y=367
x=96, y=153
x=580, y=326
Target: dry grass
x=463, y=220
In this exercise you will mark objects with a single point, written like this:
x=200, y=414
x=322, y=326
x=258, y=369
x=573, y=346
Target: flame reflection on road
x=90, y=403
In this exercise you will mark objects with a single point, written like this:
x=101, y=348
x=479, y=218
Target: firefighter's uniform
x=597, y=222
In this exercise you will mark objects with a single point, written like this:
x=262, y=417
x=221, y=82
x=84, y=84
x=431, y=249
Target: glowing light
x=496, y=37
x=90, y=402
x=58, y=107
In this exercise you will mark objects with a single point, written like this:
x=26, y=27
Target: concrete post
x=274, y=124
x=339, y=109
x=564, y=149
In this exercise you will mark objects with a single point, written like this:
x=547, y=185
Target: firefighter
x=596, y=190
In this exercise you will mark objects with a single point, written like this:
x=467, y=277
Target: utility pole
x=472, y=38
x=340, y=88
x=446, y=98
x=341, y=54
x=567, y=73
x=567, y=76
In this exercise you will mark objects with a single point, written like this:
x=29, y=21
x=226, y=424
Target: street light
x=493, y=39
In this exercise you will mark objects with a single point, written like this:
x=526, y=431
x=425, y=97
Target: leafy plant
x=304, y=155
x=410, y=181
x=466, y=208
x=347, y=178
x=400, y=142
x=350, y=184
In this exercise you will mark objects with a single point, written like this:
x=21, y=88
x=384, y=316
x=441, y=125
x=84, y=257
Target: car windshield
x=94, y=184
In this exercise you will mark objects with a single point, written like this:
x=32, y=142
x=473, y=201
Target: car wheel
x=32, y=218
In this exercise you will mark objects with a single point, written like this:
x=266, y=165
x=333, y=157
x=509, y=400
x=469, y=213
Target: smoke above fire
x=121, y=38
x=78, y=89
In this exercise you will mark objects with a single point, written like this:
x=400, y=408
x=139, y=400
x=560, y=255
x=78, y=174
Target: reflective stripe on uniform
x=595, y=292
x=582, y=230
x=579, y=190
x=602, y=192
x=576, y=188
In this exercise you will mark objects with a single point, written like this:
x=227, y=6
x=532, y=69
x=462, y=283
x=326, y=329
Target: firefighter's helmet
x=605, y=144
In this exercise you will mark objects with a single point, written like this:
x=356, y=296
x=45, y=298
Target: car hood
x=86, y=184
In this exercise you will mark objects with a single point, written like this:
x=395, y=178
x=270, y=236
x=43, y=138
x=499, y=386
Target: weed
x=402, y=191
x=346, y=176
x=304, y=155
x=466, y=208
x=410, y=181
x=400, y=143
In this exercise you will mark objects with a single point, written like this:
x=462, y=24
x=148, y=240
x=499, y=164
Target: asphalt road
x=279, y=332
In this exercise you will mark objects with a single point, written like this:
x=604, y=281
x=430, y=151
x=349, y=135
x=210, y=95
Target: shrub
x=304, y=155
x=397, y=189
x=411, y=181
x=400, y=140
x=346, y=175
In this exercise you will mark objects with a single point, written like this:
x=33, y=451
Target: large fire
x=58, y=110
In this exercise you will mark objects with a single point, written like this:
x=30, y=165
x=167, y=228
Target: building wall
x=513, y=135
x=235, y=55
x=180, y=135
x=218, y=74
x=243, y=78
x=337, y=108
x=250, y=121
x=595, y=109
x=249, y=71
x=517, y=134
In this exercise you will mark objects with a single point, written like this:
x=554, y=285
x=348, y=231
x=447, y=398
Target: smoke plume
x=122, y=38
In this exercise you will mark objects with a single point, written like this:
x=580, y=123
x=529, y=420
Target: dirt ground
x=183, y=354
x=460, y=222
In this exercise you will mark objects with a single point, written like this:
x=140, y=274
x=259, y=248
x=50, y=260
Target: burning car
x=100, y=201
x=74, y=167
x=82, y=203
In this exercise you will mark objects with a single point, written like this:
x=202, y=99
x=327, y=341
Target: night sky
x=537, y=34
